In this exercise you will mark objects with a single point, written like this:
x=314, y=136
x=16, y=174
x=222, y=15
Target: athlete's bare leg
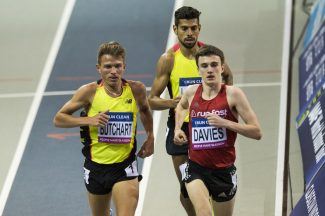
x=186, y=202
x=200, y=197
x=99, y=204
x=125, y=197
x=224, y=208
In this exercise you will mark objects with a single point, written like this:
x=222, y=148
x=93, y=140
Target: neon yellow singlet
x=113, y=143
x=184, y=73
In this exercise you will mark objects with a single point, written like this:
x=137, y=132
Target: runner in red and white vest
x=214, y=109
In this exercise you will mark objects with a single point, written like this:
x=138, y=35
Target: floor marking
x=156, y=118
x=283, y=109
x=62, y=136
x=243, y=85
x=59, y=93
x=126, y=76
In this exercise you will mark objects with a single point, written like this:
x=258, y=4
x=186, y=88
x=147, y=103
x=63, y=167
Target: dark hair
x=186, y=12
x=209, y=50
x=112, y=48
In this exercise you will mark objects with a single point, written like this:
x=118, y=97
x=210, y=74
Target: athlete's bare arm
x=181, y=112
x=164, y=68
x=239, y=104
x=81, y=99
x=139, y=92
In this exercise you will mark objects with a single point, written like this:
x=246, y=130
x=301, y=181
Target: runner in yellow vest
x=114, y=142
x=108, y=132
x=176, y=69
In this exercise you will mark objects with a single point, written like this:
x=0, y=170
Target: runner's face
x=111, y=69
x=187, y=32
x=210, y=68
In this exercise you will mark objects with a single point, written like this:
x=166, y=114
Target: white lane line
x=50, y=93
x=58, y=93
x=283, y=109
x=17, y=95
x=31, y=94
x=243, y=85
x=156, y=119
x=36, y=103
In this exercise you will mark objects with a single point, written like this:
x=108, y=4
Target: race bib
x=185, y=82
x=132, y=169
x=205, y=136
x=118, y=130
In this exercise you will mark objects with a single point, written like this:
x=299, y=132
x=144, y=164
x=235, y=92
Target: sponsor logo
x=128, y=101
x=222, y=112
x=222, y=194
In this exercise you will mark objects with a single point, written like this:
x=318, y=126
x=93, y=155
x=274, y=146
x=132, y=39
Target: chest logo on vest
x=222, y=113
x=193, y=114
x=128, y=100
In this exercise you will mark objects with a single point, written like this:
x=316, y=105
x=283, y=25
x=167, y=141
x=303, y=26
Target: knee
x=203, y=211
x=203, y=208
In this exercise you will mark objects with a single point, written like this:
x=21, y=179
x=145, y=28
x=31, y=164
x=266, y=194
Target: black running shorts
x=171, y=148
x=100, y=178
x=221, y=183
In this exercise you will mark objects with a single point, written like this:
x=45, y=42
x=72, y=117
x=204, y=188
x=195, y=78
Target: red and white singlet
x=210, y=146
